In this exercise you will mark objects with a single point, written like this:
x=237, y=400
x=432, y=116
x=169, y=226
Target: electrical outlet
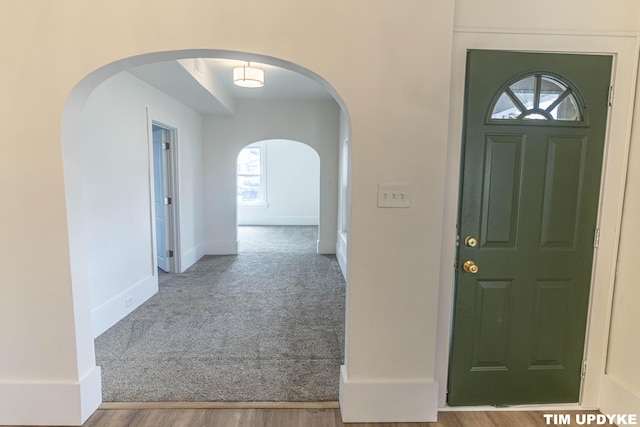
x=394, y=196
x=128, y=302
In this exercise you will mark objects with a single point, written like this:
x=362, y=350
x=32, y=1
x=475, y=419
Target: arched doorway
x=278, y=186
x=115, y=306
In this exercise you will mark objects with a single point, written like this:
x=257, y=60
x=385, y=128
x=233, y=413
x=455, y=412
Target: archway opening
x=133, y=219
x=278, y=192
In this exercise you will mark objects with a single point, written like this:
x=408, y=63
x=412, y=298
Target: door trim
x=624, y=49
x=165, y=121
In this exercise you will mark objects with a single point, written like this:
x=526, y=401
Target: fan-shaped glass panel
x=537, y=97
x=567, y=110
x=505, y=108
x=534, y=116
x=525, y=90
x=550, y=90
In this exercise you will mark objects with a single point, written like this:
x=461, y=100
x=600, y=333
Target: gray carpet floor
x=264, y=325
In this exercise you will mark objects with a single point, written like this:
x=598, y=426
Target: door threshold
x=220, y=405
x=530, y=407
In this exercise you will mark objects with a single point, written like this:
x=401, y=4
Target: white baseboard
x=57, y=403
x=192, y=256
x=327, y=247
x=616, y=398
x=221, y=247
x=114, y=310
x=279, y=220
x=383, y=401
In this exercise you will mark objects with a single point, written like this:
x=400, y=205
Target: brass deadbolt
x=470, y=241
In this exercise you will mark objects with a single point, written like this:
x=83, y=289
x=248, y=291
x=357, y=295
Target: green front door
x=534, y=135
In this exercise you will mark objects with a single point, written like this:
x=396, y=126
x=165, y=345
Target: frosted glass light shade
x=248, y=76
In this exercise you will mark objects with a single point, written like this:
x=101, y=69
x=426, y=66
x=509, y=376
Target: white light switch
x=394, y=196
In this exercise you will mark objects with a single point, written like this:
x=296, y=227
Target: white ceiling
x=218, y=94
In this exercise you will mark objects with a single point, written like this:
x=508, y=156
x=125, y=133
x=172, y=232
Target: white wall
x=116, y=179
x=391, y=68
x=568, y=16
x=292, y=186
x=314, y=123
x=621, y=384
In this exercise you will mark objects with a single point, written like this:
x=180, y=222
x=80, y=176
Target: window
x=538, y=97
x=251, y=175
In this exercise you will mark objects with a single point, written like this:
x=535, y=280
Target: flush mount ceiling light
x=248, y=76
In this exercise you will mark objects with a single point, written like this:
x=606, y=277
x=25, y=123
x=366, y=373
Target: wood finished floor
x=309, y=417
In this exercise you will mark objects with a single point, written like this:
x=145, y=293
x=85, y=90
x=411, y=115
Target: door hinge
x=596, y=238
x=458, y=240
x=167, y=200
x=611, y=89
x=583, y=372
x=169, y=254
x=166, y=146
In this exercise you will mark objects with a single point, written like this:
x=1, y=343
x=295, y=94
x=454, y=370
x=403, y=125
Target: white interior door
x=160, y=194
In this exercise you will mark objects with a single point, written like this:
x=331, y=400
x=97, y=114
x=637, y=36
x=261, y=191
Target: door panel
x=493, y=322
x=501, y=188
x=550, y=324
x=563, y=179
x=534, y=137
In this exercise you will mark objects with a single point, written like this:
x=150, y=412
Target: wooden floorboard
x=308, y=417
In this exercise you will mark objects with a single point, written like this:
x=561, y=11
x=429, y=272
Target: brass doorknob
x=470, y=267
x=471, y=241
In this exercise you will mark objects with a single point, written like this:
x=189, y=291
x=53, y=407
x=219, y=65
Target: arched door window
x=538, y=96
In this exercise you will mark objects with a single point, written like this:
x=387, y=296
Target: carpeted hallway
x=264, y=325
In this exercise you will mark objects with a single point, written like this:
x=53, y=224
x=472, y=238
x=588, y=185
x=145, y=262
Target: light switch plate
x=394, y=195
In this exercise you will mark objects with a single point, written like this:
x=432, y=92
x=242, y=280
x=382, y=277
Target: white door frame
x=624, y=49
x=171, y=174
